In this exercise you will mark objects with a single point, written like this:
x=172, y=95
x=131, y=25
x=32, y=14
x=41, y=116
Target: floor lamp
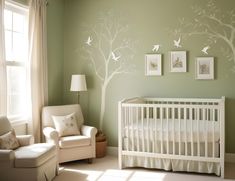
x=78, y=84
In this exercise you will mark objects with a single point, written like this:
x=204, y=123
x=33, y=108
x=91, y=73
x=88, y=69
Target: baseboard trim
x=113, y=151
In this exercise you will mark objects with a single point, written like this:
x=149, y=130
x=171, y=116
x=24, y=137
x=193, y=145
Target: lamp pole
x=78, y=97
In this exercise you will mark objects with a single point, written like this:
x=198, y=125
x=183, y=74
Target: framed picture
x=205, y=68
x=153, y=64
x=178, y=61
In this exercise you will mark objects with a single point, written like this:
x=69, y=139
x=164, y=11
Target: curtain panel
x=3, y=91
x=38, y=63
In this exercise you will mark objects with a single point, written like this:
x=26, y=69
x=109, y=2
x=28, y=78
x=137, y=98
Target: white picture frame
x=153, y=64
x=178, y=61
x=205, y=68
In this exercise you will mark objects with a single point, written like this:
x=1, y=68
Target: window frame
x=22, y=10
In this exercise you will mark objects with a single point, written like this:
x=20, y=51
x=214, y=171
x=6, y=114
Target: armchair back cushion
x=62, y=110
x=5, y=125
x=66, y=125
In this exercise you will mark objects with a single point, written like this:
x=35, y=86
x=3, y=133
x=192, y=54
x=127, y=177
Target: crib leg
x=120, y=161
x=222, y=171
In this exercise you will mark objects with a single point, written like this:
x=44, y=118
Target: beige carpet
x=107, y=169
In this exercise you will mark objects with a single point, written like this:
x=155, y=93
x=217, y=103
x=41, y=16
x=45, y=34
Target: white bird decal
x=89, y=40
x=204, y=50
x=177, y=43
x=114, y=57
x=156, y=48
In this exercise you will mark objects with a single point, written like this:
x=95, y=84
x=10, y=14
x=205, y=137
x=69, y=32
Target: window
x=16, y=51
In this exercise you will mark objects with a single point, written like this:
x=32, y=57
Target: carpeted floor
x=107, y=169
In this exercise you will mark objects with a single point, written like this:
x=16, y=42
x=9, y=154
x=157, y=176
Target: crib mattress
x=183, y=148
x=175, y=130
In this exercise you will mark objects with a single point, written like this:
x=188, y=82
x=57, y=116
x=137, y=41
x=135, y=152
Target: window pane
x=8, y=45
x=18, y=22
x=16, y=91
x=16, y=41
x=8, y=19
x=19, y=47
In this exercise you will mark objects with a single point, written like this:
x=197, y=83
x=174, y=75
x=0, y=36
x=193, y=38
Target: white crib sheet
x=185, y=131
x=179, y=149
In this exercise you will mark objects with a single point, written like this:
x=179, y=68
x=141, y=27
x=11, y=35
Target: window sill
x=18, y=122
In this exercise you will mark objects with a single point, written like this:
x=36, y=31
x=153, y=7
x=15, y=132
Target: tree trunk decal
x=110, y=52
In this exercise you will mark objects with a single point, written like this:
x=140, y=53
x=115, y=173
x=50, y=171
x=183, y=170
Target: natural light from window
x=16, y=51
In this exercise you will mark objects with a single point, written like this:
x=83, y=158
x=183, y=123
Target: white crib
x=172, y=134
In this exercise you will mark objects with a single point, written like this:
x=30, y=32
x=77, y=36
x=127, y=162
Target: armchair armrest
x=88, y=131
x=6, y=155
x=25, y=140
x=52, y=136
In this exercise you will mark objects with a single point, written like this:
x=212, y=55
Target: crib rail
x=187, y=129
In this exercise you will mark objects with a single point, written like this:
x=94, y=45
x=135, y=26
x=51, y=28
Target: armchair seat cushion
x=34, y=155
x=74, y=141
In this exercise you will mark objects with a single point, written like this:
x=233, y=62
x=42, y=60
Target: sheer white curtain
x=3, y=93
x=38, y=63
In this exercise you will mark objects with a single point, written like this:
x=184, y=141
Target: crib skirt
x=171, y=164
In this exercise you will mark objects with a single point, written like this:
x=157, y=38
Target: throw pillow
x=66, y=125
x=9, y=141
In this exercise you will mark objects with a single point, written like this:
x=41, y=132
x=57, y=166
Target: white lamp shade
x=78, y=83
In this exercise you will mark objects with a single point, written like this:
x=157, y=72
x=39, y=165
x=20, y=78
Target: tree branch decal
x=109, y=51
x=211, y=22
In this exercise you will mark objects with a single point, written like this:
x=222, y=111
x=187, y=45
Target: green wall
x=55, y=47
x=148, y=23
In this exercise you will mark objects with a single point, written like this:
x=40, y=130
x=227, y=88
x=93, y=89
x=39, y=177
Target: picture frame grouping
x=204, y=66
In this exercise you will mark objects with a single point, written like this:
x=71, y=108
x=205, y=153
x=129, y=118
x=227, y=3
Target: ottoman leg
x=90, y=160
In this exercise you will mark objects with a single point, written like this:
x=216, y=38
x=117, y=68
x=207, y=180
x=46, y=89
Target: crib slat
x=185, y=132
x=206, y=130
x=179, y=118
x=155, y=133
x=151, y=133
x=173, y=129
x=137, y=129
x=191, y=131
x=161, y=117
x=121, y=119
x=142, y=120
x=132, y=129
x=148, y=130
x=198, y=132
x=128, y=129
x=207, y=121
x=167, y=130
x=126, y=126
x=213, y=133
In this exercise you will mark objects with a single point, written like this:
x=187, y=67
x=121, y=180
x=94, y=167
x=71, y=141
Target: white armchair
x=69, y=147
x=29, y=161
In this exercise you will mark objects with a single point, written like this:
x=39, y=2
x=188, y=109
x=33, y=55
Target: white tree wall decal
x=213, y=23
x=110, y=52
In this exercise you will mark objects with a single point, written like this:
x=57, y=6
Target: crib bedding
x=183, y=131
x=180, y=149
x=171, y=164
